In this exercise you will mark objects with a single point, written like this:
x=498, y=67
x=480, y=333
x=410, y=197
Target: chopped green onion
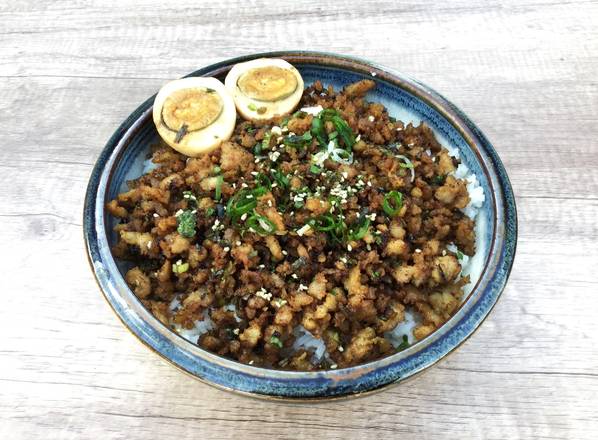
x=333, y=135
x=180, y=267
x=261, y=224
x=264, y=181
x=265, y=145
x=438, y=180
x=319, y=132
x=296, y=141
x=315, y=169
x=210, y=212
x=281, y=179
x=324, y=223
x=217, y=170
x=459, y=255
x=361, y=230
x=218, y=191
x=240, y=204
x=393, y=202
x=276, y=341
x=405, y=344
x=186, y=223
x=341, y=126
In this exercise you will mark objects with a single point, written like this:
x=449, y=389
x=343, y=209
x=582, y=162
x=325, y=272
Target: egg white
x=207, y=139
x=248, y=106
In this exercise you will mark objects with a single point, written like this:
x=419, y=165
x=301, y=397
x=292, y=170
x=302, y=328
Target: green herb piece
x=391, y=119
x=299, y=114
x=284, y=122
x=252, y=107
x=181, y=133
x=180, y=267
x=406, y=165
x=299, y=205
x=296, y=141
x=323, y=223
x=340, y=125
x=405, y=344
x=260, y=224
x=210, y=212
x=319, y=132
x=276, y=341
x=438, y=180
x=393, y=202
x=250, y=129
x=333, y=135
x=240, y=203
x=314, y=169
x=218, y=190
x=361, y=230
x=186, y=223
x=281, y=179
x=459, y=255
x=265, y=145
x=375, y=274
x=264, y=181
x=216, y=170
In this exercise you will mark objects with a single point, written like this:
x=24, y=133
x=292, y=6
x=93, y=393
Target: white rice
x=471, y=266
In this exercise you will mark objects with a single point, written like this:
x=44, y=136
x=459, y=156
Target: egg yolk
x=269, y=83
x=194, y=108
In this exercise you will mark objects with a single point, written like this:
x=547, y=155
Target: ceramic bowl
x=406, y=99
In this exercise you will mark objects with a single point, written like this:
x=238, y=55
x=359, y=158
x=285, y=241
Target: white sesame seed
x=418, y=251
x=156, y=215
x=285, y=252
x=262, y=266
x=179, y=212
x=276, y=130
x=303, y=229
x=149, y=244
x=244, y=185
x=236, y=331
x=358, y=138
x=344, y=260
x=226, y=249
x=333, y=366
x=274, y=185
x=341, y=349
x=374, y=73
x=238, y=243
x=251, y=362
x=303, y=287
x=294, y=276
x=369, y=183
x=371, y=118
x=254, y=173
x=349, y=247
x=443, y=253
x=243, y=217
x=399, y=128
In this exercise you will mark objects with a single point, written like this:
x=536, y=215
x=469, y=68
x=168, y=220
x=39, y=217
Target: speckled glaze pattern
x=407, y=100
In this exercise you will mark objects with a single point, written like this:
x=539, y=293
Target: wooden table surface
x=525, y=71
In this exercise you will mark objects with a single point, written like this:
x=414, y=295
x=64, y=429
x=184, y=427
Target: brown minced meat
x=348, y=292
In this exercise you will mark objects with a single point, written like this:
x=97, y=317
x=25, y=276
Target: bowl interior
x=400, y=103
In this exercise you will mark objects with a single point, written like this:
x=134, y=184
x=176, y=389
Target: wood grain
x=73, y=70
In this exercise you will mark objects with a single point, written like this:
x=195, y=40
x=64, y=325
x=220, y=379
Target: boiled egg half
x=194, y=115
x=264, y=88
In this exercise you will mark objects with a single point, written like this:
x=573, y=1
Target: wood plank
x=72, y=71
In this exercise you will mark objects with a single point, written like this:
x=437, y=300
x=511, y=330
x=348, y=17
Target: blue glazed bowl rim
x=229, y=374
